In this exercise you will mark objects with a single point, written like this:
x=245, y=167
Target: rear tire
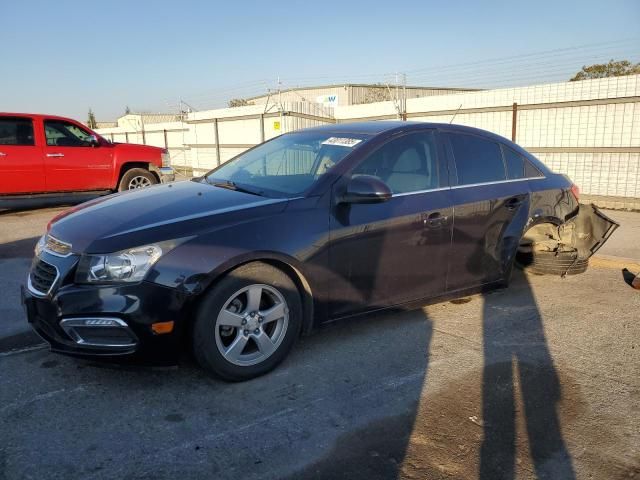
x=136, y=178
x=247, y=324
x=551, y=263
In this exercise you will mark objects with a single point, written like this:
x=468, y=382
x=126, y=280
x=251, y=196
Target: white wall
x=604, y=127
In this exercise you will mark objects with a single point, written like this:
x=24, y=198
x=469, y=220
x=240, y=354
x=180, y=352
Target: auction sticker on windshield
x=342, y=142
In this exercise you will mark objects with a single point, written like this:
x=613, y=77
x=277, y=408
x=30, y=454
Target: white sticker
x=342, y=142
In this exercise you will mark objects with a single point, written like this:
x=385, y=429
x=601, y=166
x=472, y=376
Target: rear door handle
x=435, y=220
x=55, y=154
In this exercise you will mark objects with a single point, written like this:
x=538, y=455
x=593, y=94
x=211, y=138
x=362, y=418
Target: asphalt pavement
x=539, y=380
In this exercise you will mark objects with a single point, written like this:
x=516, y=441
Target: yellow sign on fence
x=276, y=125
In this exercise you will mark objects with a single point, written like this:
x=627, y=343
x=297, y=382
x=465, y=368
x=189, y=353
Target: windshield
x=287, y=165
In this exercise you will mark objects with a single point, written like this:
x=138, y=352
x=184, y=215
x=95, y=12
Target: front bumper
x=111, y=322
x=165, y=174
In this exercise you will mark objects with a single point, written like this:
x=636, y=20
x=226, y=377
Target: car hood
x=153, y=214
x=136, y=149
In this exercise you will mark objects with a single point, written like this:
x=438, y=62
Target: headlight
x=166, y=158
x=129, y=265
x=40, y=245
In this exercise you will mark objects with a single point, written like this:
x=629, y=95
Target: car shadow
x=11, y=206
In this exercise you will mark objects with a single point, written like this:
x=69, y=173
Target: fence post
x=126, y=137
x=514, y=122
x=215, y=127
x=262, y=128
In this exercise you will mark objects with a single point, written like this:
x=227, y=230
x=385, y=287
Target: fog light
x=162, y=327
x=101, y=322
x=101, y=332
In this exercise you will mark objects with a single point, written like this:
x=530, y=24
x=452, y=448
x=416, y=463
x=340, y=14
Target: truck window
x=65, y=134
x=16, y=131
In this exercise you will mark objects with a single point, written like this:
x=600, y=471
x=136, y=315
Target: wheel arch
x=284, y=263
x=125, y=167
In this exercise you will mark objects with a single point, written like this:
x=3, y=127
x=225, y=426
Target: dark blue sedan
x=307, y=228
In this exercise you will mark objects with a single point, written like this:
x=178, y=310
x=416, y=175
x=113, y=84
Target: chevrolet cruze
x=307, y=228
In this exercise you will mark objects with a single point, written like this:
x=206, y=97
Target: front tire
x=247, y=324
x=136, y=178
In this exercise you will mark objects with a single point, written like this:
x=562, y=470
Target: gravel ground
x=540, y=380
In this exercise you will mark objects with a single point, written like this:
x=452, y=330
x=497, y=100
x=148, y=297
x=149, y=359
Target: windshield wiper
x=230, y=185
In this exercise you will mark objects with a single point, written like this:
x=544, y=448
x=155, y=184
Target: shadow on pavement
x=516, y=357
x=18, y=249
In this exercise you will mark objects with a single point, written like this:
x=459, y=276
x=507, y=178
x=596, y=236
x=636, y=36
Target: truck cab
x=45, y=154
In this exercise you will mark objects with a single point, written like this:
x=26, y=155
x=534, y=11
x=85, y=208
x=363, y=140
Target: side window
x=65, y=134
x=530, y=171
x=406, y=164
x=478, y=160
x=514, y=162
x=16, y=131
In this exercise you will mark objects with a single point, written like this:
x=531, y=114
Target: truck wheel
x=136, y=178
x=248, y=323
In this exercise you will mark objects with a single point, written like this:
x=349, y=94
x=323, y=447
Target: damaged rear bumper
x=565, y=249
x=590, y=229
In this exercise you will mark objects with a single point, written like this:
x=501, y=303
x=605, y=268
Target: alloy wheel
x=139, y=182
x=251, y=325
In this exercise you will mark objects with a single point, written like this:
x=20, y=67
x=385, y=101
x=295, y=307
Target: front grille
x=43, y=276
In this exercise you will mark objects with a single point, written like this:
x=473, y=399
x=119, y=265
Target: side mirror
x=93, y=141
x=366, y=189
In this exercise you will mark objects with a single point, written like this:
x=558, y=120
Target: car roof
x=389, y=127
x=376, y=127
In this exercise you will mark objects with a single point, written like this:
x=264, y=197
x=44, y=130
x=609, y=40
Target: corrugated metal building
x=351, y=94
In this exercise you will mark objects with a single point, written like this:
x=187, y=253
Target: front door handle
x=435, y=220
x=55, y=154
x=2, y=154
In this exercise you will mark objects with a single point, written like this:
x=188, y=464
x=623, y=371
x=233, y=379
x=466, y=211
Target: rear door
x=72, y=163
x=490, y=211
x=21, y=162
x=396, y=251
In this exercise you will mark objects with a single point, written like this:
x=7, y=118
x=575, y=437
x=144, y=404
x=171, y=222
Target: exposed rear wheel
x=551, y=263
x=247, y=324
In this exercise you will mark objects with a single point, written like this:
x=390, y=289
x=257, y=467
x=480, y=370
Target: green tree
x=91, y=120
x=238, y=102
x=127, y=110
x=602, y=70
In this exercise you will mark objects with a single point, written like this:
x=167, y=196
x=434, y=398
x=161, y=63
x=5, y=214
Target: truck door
x=72, y=161
x=21, y=162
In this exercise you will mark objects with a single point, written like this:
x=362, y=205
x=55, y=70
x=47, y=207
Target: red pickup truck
x=45, y=154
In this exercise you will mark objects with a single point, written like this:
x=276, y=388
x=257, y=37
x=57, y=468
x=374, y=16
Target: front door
x=21, y=163
x=72, y=163
x=396, y=251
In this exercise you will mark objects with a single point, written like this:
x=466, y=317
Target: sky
x=68, y=56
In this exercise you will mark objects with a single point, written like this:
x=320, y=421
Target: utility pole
x=404, y=94
x=397, y=98
x=280, y=103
